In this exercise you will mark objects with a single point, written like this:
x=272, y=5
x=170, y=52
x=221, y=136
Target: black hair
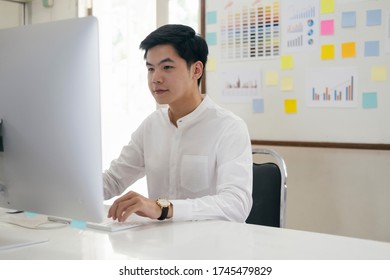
x=188, y=45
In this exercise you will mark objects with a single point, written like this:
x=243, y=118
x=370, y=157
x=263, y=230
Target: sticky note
x=258, y=105
x=327, y=52
x=370, y=100
x=211, y=17
x=348, y=19
x=271, y=78
x=211, y=64
x=290, y=106
x=211, y=38
x=373, y=17
x=371, y=48
x=379, y=73
x=287, y=84
x=286, y=62
x=327, y=27
x=30, y=214
x=348, y=49
x=78, y=224
x=327, y=6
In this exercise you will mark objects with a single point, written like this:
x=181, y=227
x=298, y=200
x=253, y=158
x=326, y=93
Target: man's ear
x=197, y=69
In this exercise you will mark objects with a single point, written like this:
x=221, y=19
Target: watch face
x=163, y=202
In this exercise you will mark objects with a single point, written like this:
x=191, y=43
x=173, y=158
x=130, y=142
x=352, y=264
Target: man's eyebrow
x=162, y=61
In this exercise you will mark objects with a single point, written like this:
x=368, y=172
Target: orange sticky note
x=290, y=106
x=348, y=49
x=286, y=62
x=327, y=52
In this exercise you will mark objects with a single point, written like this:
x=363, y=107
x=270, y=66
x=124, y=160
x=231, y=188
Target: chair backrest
x=269, y=191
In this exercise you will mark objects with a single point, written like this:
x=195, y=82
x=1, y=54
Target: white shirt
x=203, y=166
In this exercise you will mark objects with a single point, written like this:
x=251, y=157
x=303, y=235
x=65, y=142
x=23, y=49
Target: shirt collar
x=196, y=113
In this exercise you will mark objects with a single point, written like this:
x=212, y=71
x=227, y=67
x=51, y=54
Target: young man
x=196, y=156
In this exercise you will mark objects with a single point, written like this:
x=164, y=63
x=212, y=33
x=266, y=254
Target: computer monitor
x=51, y=160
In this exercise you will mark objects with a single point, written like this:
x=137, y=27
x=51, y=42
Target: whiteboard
x=299, y=102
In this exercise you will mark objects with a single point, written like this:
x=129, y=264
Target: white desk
x=194, y=240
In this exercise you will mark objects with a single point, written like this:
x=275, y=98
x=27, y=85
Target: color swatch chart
x=251, y=30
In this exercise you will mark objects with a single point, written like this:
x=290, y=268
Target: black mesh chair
x=269, y=191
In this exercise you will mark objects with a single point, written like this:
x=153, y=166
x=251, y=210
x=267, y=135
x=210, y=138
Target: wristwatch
x=164, y=205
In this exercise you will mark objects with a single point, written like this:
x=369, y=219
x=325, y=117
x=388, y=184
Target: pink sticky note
x=327, y=27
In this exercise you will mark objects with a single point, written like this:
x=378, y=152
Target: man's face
x=170, y=81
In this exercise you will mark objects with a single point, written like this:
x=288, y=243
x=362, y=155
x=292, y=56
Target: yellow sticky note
x=287, y=84
x=327, y=6
x=271, y=78
x=327, y=52
x=290, y=106
x=211, y=64
x=379, y=73
x=348, y=49
x=286, y=62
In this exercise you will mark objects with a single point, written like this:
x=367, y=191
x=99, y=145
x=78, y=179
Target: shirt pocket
x=194, y=173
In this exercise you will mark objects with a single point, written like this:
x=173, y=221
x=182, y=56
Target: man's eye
x=167, y=67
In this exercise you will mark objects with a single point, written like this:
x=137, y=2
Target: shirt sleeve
x=233, y=198
x=126, y=169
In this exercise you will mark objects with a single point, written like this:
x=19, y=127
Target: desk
x=216, y=240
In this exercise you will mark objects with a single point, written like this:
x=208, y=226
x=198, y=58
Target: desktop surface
x=212, y=239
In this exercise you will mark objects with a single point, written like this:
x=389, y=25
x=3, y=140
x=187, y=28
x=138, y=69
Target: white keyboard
x=109, y=224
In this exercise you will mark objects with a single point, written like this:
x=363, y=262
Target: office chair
x=269, y=191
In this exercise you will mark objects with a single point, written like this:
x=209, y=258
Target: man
x=196, y=156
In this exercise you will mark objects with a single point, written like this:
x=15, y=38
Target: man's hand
x=133, y=202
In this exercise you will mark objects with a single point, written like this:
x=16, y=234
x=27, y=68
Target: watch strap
x=164, y=213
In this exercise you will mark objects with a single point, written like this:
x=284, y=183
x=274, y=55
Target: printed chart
x=301, y=27
x=250, y=29
x=331, y=87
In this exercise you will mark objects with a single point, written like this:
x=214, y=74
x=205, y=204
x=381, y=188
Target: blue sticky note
x=211, y=17
x=211, y=38
x=374, y=17
x=370, y=100
x=30, y=214
x=78, y=224
x=258, y=105
x=371, y=48
x=348, y=19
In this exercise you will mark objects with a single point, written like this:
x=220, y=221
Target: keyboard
x=109, y=224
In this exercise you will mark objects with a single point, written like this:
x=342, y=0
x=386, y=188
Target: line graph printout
x=331, y=87
x=250, y=29
x=301, y=25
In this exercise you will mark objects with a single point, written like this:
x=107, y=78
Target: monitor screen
x=50, y=157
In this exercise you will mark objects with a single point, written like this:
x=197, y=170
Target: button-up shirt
x=203, y=166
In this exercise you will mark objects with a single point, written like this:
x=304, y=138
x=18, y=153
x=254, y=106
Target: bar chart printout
x=301, y=27
x=338, y=89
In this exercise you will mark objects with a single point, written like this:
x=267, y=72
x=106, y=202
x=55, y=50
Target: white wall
x=62, y=9
x=11, y=14
x=338, y=191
